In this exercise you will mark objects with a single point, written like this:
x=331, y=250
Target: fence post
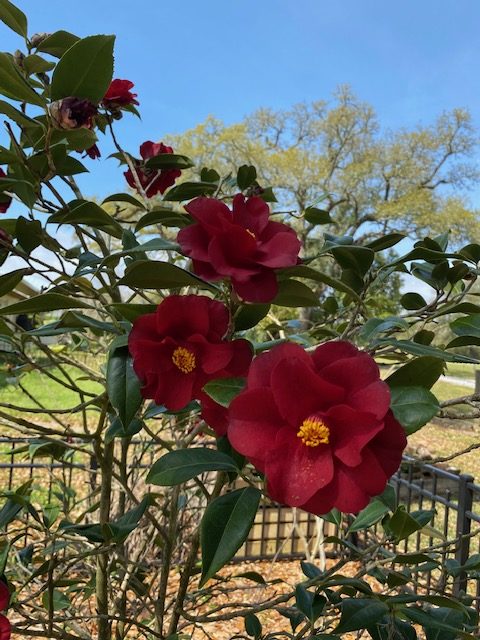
x=464, y=525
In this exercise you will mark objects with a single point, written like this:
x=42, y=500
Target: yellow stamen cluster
x=183, y=359
x=313, y=432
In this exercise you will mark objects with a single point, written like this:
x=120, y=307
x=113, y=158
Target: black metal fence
x=283, y=533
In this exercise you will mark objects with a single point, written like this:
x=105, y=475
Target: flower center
x=183, y=359
x=251, y=233
x=313, y=432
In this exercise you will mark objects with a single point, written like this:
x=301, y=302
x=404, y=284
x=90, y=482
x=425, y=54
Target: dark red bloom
x=5, y=201
x=93, y=152
x=182, y=346
x=243, y=245
x=318, y=425
x=73, y=113
x=153, y=181
x=119, y=94
x=4, y=596
x=214, y=414
x=5, y=628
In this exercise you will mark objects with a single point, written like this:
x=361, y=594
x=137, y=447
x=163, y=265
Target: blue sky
x=188, y=59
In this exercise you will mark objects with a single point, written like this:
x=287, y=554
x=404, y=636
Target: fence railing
x=280, y=532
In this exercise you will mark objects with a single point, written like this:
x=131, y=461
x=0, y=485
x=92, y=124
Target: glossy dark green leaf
x=9, y=281
x=253, y=626
x=153, y=274
x=426, y=350
x=441, y=621
x=293, y=293
x=85, y=70
x=359, y=259
x=44, y=302
x=424, y=371
x=390, y=628
x=89, y=213
x=223, y=390
x=13, y=18
x=36, y=64
x=467, y=326
x=169, y=161
x=385, y=242
x=16, y=115
x=360, y=613
x=412, y=301
x=123, y=386
x=225, y=526
x=246, y=176
x=317, y=216
x=57, y=43
x=179, y=466
x=125, y=197
x=372, y=513
x=13, y=85
x=163, y=217
x=189, y=190
x=131, y=311
x=402, y=524
x=303, y=271
x=413, y=407
x=249, y=315
x=59, y=601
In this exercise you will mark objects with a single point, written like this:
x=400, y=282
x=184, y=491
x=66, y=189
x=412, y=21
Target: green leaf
x=246, y=176
x=249, y=315
x=164, y=217
x=189, y=190
x=224, y=390
x=9, y=281
x=317, y=216
x=467, y=326
x=29, y=234
x=359, y=259
x=36, y=64
x=293, y=293
x=17, y=116
x=441, y=621
x=402, y=524
x=152, y=274
x=85, y=70
x=225, y=526
x=125, y=197
x=413, y=301
x=169, y=161
x=369, y=516
x=302, y=271
x=89, y=213
x=179, y=466
x=59, y=601
x=413, y=407
x=390, y=628
x=13, y=85
x=131, y=311
x=44, y=302
x=426, y=350
x=57, y=43
x=13, y=18
x=360, y=613
x=123, y=386
x=253, y=626
x=424, y=371
x=385, y=242
x=16, y=501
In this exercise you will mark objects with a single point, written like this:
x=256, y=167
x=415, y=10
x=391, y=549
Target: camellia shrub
x=165, y=368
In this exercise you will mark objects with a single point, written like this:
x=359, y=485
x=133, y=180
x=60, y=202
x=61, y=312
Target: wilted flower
x=72, y=113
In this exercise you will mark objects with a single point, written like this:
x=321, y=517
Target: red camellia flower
x=242, y=244
x=153, y=181
x=5, y=201
x=214, y=414
x=318, y=425
x=4, y=596
x=119, y=94
x=5, y=628
x=93, y=152
x=182, y=346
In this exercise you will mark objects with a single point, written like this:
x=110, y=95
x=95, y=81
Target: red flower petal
x=5, y=628
x=214, y=415
x=4, y=596
x=261, y=368
x=296, y=472
x=350, y=432
x=261, y=287
x=252, y=213
x=300, y=392
x=212, y=214
x=375, y=398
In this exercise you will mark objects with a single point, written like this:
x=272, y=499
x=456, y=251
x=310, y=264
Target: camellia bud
x=18, y=58
x=72, y=113
x=37, y=39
